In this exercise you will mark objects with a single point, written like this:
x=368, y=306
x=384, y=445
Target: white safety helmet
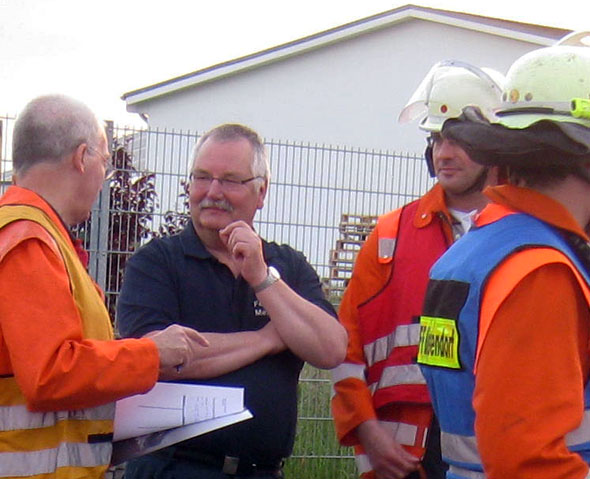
x=544, y=119
x=551, y=83
x=450, y=86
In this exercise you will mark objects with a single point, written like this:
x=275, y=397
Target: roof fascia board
x=484, y=28
x=308, y=44
x=299, y=46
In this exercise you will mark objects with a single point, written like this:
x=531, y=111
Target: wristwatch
x=271, y=278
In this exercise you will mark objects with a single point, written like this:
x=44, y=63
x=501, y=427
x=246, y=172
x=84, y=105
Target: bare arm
x=176, y=345
x=228, y=352
x=306, y=329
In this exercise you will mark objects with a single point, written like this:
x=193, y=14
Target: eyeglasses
x=204, y=181
x=109, y=168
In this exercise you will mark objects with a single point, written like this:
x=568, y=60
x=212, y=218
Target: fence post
x=99, y=229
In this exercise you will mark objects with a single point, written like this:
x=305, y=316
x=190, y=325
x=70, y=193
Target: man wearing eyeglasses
x=259, y=304
x=61, y=370
x=381, y=404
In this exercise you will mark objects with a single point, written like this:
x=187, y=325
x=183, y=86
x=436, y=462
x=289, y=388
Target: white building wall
x=349, y=93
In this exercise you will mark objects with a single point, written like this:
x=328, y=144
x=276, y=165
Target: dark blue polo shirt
x=176, y=280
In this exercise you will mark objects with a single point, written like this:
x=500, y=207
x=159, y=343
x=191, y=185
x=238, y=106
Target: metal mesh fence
x=323, y=201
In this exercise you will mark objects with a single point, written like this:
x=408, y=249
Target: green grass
x=317, y=454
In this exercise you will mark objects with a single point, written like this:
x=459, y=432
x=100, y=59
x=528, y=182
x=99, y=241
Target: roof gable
x=535, y=34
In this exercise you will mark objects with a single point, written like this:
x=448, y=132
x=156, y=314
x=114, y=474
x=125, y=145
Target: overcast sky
x=96, y=51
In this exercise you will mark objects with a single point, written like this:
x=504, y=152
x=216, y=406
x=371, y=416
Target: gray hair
x=49, y=128
x=234, y=131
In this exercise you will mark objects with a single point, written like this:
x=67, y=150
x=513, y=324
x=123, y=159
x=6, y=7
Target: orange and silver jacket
x=380, y=310
x=61, y=444
x=459, y=308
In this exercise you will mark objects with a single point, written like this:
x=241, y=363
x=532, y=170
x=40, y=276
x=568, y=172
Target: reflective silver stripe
x=386, y=247
x=348, y=370
x=19, y=417
x=581, y=434
x=404, y=433
x=396, y=375
x=465, y=473
x=47, y=460
x=362, y=463
x=459, y=448
x=464, y=448
x=380, y=349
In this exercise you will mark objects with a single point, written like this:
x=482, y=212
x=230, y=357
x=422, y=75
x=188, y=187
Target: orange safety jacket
x=38, y=437
x=380, y=378
x=459, y=308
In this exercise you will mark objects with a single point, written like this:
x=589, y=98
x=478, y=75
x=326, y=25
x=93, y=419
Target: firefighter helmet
x=550, y=83
x=450, y=86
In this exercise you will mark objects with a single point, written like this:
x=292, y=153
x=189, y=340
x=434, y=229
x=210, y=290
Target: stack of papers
x=170, y=413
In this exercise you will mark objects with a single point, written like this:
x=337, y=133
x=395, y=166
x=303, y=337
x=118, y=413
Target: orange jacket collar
x=526, y=200
x=431, y=203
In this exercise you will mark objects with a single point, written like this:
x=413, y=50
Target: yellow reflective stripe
x=581, y=434
x=50, y=437
x=94, y=456
x=386, y=248
x=97, y=472
x=460, y=472
x=397, y=375
x=439, y=342
x=19, y=417
x=380, y=349
x=459, y=448
x=348, y=371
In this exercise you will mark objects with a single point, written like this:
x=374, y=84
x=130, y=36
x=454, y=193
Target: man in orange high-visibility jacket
x=381, y=404
x=60, y=368
x=513, y=400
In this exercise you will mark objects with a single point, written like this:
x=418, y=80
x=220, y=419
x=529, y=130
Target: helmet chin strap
x=429, y=161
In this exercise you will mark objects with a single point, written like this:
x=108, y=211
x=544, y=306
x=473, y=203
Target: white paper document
x=138, y=446
x=170, y=413
x=170, y=405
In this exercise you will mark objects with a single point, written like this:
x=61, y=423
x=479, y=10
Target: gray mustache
x=219, y=204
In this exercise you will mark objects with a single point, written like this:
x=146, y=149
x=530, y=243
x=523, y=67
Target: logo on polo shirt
x=259, y=309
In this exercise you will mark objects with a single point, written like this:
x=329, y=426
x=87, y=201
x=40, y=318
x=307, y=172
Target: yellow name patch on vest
x=439, y=342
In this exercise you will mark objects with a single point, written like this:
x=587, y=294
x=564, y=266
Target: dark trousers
x=162, y=467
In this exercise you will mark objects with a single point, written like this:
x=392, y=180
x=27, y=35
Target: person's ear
x=262, y=194
x=77, y=157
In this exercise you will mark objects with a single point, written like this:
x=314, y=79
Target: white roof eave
x=307, y=44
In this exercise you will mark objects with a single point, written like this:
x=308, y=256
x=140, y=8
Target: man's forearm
x=228, y=352
x=307, y=330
